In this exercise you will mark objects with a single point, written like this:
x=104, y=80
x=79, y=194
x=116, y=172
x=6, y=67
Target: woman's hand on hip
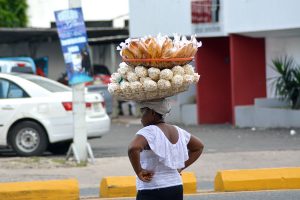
x=145, y=175
x=180, y=170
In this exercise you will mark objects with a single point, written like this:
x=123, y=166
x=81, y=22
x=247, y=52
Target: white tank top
x=164, y=158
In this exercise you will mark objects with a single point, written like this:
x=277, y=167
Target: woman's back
x=167, y=147
x=159, y=152
x=170, y=132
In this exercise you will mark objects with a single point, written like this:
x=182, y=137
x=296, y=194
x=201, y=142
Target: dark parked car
x=102, y=74
x=102, y=89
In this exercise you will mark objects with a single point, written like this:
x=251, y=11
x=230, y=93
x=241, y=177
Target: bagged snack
x=164, y=85
x=160, y=51
x=141, y=71
x=115, y=78
x=177, y=81
x=154, y=73
x=114, y=89
x=196, y=78
x=124, y=69
x=125, y=87
x=166, y=74
x=150, y=85
x=136, y=86
x=188, y=69
x=131, y=77
x=178, y=70
x=188, y=79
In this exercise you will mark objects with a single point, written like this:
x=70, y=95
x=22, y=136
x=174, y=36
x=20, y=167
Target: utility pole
x=80, y=146
x=74, y=3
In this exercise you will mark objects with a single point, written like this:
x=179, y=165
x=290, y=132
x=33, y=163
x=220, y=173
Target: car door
x=10, y=99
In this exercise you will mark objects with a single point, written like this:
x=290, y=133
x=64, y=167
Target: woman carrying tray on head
x=159, y=152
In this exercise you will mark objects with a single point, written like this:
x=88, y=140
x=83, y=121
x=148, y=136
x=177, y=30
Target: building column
x=213, y=89
x=248, y=70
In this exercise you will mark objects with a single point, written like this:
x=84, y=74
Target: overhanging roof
x=32, y=35
x=288, y=32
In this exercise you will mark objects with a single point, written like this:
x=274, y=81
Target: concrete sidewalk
x=90, y=176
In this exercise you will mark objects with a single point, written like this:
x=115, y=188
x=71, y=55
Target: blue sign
x=73, y=39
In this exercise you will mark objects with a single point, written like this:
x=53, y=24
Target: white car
x=17, y=64
x=36, y=114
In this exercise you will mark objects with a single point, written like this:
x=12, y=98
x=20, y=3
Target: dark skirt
x=172, y=193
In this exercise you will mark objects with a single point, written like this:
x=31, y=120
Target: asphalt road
x=268, y=195
x=257, y=195
x=216, y=138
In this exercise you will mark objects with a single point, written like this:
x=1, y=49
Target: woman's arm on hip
x=195, y=148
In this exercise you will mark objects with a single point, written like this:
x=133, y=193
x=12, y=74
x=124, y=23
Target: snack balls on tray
x=144, y=84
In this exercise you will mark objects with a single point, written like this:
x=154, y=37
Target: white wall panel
x=260, y=15
x=156, y=16
x=41, y=12
x=280, y=46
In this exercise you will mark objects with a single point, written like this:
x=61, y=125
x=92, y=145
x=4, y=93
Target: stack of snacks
x=152, y=68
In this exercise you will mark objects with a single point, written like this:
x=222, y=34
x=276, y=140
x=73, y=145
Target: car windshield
x=48, y=84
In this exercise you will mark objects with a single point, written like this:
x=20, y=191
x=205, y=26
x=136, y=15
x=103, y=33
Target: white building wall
x=156, y=16
x=41, y=12
x=276, y=20
x=278, y=47
x=236, y=16
x=260, y=15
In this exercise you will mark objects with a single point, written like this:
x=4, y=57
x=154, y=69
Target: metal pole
x=74, y=3
x=80, y=133
x=115, y=111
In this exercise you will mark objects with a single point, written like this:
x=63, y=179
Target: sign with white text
x=73, y=39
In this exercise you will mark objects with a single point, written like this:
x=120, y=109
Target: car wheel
x=28, y=138
x=59, y=148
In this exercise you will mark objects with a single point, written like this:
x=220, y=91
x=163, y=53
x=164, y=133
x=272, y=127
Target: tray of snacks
x=142, y=84
x=160, y=51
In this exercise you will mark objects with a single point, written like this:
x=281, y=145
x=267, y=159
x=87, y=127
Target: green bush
x=13, y=13
x=287, y=83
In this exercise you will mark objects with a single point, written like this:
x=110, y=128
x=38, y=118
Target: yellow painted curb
x=257, y=179
x=189, y=182
x=36, y=190
x=118, y=186
x=125, y=186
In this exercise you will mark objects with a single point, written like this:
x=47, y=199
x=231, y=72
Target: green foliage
x=13, y=13
x=287, y=84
